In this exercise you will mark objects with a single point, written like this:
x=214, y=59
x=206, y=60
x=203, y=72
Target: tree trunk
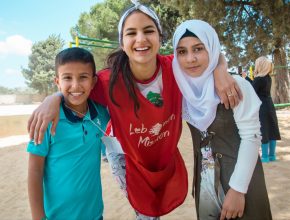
x=280, y=86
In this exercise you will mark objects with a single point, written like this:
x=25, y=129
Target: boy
x=64, y=170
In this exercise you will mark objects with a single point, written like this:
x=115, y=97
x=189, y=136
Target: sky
x=25, y=22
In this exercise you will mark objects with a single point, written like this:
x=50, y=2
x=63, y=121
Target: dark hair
x=188, y=34
x=74, y=54
x=118, y=62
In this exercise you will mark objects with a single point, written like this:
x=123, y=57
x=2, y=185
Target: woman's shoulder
x=243, y=83
x=246, y=87
x=165, y=58
x=166, y=64
x=250, y=97
x=262, y=78
x=104, y=74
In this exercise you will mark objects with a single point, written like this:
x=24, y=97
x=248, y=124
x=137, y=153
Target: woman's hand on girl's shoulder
x=227, y=89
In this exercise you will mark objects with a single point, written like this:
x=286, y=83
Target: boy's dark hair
x=74, y=54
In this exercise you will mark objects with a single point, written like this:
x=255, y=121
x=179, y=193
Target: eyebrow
x=133, y=29
x=196, y=45
x=179, y=48
x=65, y=73
x=199, y=44
x=68, y=73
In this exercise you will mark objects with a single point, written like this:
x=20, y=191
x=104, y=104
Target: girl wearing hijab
x=228, y=175
x=144, y=103
x=268, y=118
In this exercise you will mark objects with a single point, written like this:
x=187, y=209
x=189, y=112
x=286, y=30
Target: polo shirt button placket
x=85, y=132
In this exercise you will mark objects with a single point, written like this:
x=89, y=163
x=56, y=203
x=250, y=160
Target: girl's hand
x=233, y=206
x=48, y=111
x=225, y=85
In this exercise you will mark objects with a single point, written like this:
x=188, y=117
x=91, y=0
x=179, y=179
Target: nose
x=190, y=58
x=75, y=84
x=140, y=37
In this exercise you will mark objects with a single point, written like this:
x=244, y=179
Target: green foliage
x=169, y=18
x=100, y=22
x=40, y=72
x=247, y=29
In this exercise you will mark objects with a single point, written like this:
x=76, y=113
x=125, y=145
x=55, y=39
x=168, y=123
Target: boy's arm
x=226, y=87
x=35, y=184
x=47, y=112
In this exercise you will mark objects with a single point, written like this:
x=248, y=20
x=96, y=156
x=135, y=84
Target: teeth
x=142, y=48
x=75, y=93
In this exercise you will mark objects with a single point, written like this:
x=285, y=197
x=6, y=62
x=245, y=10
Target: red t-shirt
x=155, y=172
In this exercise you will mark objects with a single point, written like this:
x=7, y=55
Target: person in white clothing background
x=228, y=176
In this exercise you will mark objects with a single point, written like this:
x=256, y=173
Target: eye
x=198, y=49
x=181, y=52
x=130, y=33
x=66, y=78
x=149, y=31
x=84, y=77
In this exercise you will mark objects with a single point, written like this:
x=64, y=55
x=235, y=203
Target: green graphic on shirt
x=155, y=98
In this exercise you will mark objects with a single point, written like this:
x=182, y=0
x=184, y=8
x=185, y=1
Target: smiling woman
x=135, y=73
x=141, y=43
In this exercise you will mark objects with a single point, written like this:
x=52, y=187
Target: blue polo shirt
x=71, y=181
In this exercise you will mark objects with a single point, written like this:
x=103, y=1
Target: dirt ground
x=13, y=186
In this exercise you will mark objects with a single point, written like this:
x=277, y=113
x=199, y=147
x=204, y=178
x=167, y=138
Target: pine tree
x=40, y=72
x=248, y=29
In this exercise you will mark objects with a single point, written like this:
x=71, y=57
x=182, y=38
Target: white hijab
x=199, y=97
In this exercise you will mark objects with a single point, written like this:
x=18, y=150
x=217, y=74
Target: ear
x=56, y=81
x=95, y=80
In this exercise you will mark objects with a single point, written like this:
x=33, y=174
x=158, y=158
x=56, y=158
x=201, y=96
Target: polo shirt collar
x=69, y=114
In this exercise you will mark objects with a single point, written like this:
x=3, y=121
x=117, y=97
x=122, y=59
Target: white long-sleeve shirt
x=246, y=115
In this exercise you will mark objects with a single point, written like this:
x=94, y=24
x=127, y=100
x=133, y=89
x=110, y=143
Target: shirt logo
x=155, y=129
x=148, y=137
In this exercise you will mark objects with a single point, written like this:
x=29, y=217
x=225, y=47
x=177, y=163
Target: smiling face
x=192, y=56
x=140, y=39
x=75, y=80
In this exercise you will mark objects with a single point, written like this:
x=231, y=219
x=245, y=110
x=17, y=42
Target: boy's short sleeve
x=43, y=148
